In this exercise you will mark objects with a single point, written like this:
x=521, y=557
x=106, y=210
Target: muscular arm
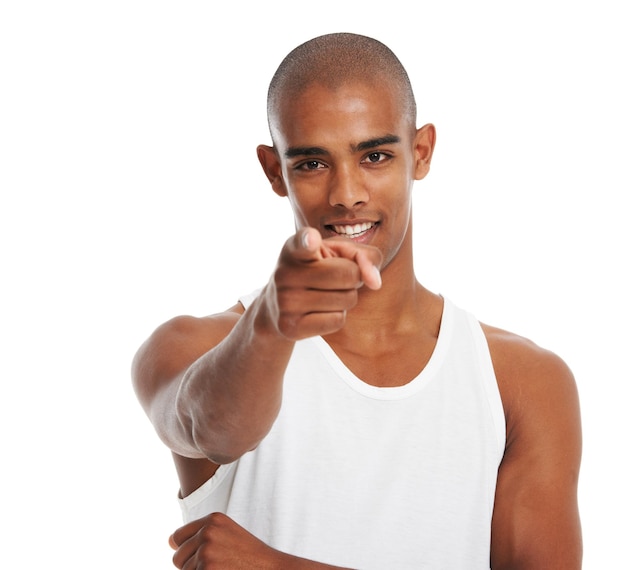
x=200, y=380
x=212, y=387
x=536, y=522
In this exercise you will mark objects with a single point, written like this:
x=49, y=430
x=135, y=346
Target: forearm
x=229, y=398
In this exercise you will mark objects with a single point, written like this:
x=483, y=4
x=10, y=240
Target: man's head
x=346, y=149
x=333, y=60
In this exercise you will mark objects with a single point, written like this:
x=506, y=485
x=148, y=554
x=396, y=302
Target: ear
x=423, y=147
x=271, y=166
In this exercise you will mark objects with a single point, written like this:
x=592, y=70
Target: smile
x=353, y=231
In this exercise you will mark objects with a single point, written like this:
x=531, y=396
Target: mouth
x=352, y=231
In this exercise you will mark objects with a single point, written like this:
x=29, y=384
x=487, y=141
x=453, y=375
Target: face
x=347, y=159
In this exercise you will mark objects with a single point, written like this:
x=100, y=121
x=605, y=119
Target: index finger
x=367, y=257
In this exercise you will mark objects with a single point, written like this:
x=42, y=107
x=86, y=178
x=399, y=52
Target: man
x=344, y=415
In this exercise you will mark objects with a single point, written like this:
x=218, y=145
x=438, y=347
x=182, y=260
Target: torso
x=392, y=366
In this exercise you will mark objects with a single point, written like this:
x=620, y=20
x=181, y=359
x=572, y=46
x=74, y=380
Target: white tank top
x=375, y=478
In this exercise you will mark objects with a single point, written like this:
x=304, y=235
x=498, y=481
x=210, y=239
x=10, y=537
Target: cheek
x=302, y=210
x=399, y=219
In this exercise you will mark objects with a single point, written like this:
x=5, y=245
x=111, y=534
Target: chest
x=391, y=466
x=390, y=364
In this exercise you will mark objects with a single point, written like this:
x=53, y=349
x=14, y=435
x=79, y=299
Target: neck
x=402, y=306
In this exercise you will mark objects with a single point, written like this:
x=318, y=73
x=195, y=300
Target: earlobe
x=271, y=166
x=424, y=146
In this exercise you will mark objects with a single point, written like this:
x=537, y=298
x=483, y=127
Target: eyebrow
x=305, y=151
x=292, y=152
x=379, y=141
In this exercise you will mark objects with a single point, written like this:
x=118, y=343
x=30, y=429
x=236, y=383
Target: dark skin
x=335, y=160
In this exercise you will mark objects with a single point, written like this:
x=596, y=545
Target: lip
x=363, y=236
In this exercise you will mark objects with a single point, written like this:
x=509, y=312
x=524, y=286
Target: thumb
x=311, y=241
x=305, y=245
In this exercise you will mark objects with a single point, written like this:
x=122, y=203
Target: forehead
x=350, y=112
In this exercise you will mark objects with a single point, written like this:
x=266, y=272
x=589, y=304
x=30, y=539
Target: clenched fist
x=317, y=281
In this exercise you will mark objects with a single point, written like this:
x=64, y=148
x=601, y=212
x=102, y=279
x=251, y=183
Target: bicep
x=536, y=523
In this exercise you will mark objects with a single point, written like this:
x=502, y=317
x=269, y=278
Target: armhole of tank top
x=490, y=383
x=208, y=489
x=246, y=300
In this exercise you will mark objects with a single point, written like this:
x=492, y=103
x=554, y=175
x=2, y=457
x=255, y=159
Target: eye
x=376, y=157
x=311, y=165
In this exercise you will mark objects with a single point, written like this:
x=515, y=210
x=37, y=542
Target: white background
x=130, y=193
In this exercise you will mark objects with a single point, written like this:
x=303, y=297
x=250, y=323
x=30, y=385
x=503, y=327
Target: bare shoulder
x=537, y=387
x=519, y=350
x=524, y=368
x=535, y=522
x=175, y=345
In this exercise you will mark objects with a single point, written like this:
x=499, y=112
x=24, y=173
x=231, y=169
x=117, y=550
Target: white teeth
x=353, y=230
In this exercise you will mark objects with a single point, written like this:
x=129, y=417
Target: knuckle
x=288, y=325
x=280, y=274
x=336, y=320
x=351, y=298
x=286, y=303
x=212, y=523
x=217, y=518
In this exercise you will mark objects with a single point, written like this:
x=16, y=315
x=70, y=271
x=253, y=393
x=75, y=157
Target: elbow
x=217, y=440
x=223, y=449
x=216, y=422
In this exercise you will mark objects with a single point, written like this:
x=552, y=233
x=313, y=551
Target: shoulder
x=526, y=372
x=516, y=357
x=541, y=407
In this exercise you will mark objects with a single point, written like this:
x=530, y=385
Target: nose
x=347, y=189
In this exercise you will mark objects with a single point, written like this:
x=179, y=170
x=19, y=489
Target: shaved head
x=334, y=60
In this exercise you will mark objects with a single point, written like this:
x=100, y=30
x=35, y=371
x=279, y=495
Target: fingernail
x=305, y=239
